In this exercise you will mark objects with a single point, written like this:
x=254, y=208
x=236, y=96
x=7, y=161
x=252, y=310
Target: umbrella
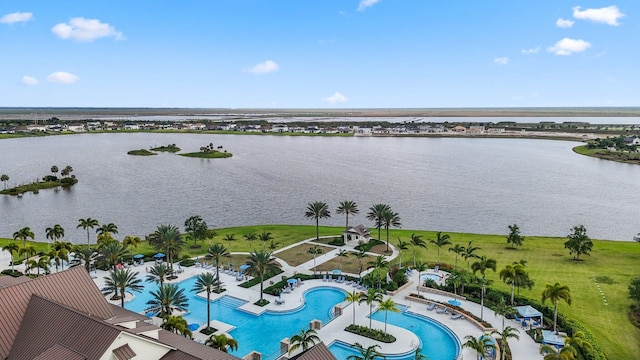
x=454, y=302
x=138, y=256
x=193, y=327
x=336, y=271
x=244, y=267
x=292, y=281
x=158, y=255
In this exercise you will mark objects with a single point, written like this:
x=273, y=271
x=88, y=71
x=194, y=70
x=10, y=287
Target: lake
x=444, y=184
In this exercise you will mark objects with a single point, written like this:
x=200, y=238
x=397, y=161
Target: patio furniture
x=456, y=316
x=431, y=306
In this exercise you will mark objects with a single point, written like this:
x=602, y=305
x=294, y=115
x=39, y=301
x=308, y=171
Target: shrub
x=374, y=334
x=49, y=178
x=14, y=273
x=256, y=280
x=337, y=241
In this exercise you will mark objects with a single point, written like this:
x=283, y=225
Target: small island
x=209, y=152
x=141, y=152
x=47, y=182
x=169, y=148
x=621, y=149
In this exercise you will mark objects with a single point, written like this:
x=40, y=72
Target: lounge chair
x=516, y=318
x=456, y=316
x=324, y=277
x=330, y=278
x=279, y=301
x=536, y=323
x=431, y=306
x=441, y=310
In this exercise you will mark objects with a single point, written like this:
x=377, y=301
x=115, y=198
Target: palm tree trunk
x=555, y=316
x=317, y=229
x=208, y=309
x=512, y=292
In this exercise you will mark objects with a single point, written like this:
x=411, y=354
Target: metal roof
x=319, y=351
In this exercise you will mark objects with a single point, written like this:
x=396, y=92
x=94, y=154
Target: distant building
x=357, y=233
x=76, y=127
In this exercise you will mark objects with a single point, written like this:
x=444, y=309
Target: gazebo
x=529, y=312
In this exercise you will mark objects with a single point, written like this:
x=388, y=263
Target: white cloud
x=336, y=98
x=564, y=23
x=265, y=67
x=568, y=46
x=81, y=29
x=15, y=17
x=501, y=60
x=531, y=51
x=608, y=15
x=29, y=80
x=366, y=3
x=62, y=77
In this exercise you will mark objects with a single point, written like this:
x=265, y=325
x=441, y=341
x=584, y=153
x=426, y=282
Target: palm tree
x=260, y=264
x=29, y=265
x=43, y=263
x=250, y=237
x=222, y=343
x=158, y=274
x=28, y=251
x=216, y=251
x=315, y=250
x=501, y=308
x=567, y=352
x=66, y=171
x=166, y=300
x=389, y=218
x=229, y=238
x=401, y=245
x=420, y=267
x=304, y=339
x=264, y=237
x=177, y=325
x=386, y=306
x=11, y=248
x=418, y=355
x=514, y=238
x=54, y=170
x=379, y=264
x=107, y=229
x=361, y=254
x=341, y=254
x=54, y=233
x=23, y=234
x=370, y=353
x=167, y=238
x=347, y=207
x=482, y=265
x=480, y=345
x=510, y=275
x=577, y=341
x=372, y=295
x=206, y=282
x=508, y=332
x=554, y=293
x=196, y=227
x=112, y=252
x=416, y=241
x=131, y=242
x=87, y=224
x=458, y=250
x=317, y=210
x=86, y=254
x=4, y=178
x=469, y=253
x=58, y=256
x=119, y=282
x=354, y=297
x=440, y=241
x=375, y=215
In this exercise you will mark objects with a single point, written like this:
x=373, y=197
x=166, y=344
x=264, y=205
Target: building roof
x=124, y=352
x=319, y=351
x=6, y=281
x=359, y=230
x=59, y=351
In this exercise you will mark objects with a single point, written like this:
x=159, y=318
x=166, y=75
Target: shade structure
x=292, y=281
x=158, y=256
x=193, y=327
x=454, y=302
x=138, y=256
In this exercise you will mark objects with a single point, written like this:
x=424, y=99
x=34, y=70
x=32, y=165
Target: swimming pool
x=434, y=277
x=438, y=342
x=261, y=333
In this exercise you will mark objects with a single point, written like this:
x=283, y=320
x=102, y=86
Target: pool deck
x=525, y=348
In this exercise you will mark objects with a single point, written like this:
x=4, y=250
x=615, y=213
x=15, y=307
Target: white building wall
x=144, y=349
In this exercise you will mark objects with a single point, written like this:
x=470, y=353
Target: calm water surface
x=469, y=185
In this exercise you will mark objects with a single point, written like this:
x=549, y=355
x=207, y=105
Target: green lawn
x=547, y=262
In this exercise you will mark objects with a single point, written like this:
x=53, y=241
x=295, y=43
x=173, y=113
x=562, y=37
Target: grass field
x=612, y=264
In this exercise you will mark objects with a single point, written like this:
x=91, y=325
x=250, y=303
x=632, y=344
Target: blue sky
x=320, y=53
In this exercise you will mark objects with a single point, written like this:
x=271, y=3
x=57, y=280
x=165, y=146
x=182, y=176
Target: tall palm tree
x=43, y=263
x=217, y=251
x=505, y=334
x=166, y=300
x=304, y=339
x=386, y=306
x=177, y=325
x=264, y=236
x=317, y=210
x=510, y=275
x=4, y=178
x=567, y=352
x=401, y=245
x=158, y=274
x=314, y=250
x=11, y=248
x=389, y=218
x=58, y=256
x=514, y=238
x=469, y=253
x=361, y=254
x=113, y=252
x=87, y=224
x=119, y=281
x=370, y=297
x=28, y=251
x=480, y=345
x=347, y=207
x=341, y=254
x=85, y=254
x=369, y=353
x=206, y=282
x=458, y=250
x=440, y=241
x=482, y=265
x=554, y=293
x=354, y=297
x=54, y=170
x=416, y=241
x=250, y=237
x=24, y=234
x=131, y=242
x=260, y=264
x=379, y=264
x=420, y=267
x=107, y=229
x=54, y=233
x=167, y=238
x=222, y=342
x=501, y=308
x=375, y=215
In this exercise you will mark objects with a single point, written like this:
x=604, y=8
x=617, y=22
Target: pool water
x=434, y=277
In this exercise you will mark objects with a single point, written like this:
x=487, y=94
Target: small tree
x=578, y=243
x=514, y=238
x=634, y=290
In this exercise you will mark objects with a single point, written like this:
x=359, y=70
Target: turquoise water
x=437, y=341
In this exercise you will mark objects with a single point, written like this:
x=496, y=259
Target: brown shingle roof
x=319, y=351
x=72, y=288
x=57, y=352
